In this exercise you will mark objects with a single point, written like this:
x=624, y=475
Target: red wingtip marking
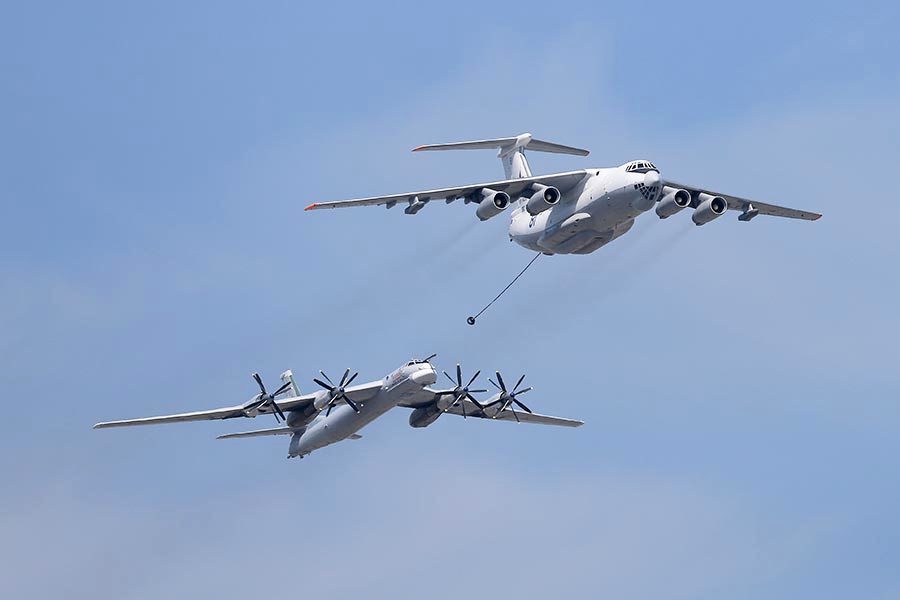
x=311, y=206
x=417, y=148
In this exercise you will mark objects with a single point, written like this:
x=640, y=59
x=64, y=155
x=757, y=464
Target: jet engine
x=424, y=415
x=673, y=200
x=711, y=207
x=492, y=203
x=542, y=198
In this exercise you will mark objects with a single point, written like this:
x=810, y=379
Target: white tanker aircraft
x=339, y=410
x=575, y=212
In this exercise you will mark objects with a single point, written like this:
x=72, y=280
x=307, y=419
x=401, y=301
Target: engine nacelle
x=424, y=416
x=321, y=400
x=492, y=203
x=543, y=198
x=673, y=201
x=711, y=207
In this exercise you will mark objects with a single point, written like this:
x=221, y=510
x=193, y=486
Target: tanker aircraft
x=339, y=410
x=574, y=212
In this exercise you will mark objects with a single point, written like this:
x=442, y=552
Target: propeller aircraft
x=338, y=411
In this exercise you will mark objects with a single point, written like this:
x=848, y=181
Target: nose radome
x=651, y=178
x=424, y=376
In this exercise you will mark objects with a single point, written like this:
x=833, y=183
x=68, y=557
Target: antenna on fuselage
x=471, y=320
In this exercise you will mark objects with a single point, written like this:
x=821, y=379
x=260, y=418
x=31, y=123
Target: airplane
x=339, y=410
x=573, y=212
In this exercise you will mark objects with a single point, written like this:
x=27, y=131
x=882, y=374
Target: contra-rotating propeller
x=264, y=398
x=338, y=392
x=507, y=398
x=461, y=392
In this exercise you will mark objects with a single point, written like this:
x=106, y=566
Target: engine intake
x=673, y=201
x=492, y=203
x=543, y=198
x=710, y=207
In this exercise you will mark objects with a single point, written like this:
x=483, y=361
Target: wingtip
x=311, y=206
x=418, y=148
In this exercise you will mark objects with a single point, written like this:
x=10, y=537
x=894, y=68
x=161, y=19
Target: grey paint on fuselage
x=402, y=385
x=599, y=209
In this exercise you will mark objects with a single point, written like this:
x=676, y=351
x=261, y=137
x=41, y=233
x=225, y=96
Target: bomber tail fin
x=511, y=151
x=289, y=376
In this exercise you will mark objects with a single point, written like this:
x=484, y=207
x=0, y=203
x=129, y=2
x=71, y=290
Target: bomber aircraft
x=339, y=410
x=574, y=212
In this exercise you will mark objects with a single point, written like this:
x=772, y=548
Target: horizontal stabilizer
x=507, y=143
x=258, y=433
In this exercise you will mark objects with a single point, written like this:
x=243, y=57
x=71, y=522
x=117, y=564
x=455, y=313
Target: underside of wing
x=514, y=187
x=508, y=415
x=259, y=433
x=750, y=208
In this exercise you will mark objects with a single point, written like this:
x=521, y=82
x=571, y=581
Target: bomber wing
x=358, y=393
x=509, y=415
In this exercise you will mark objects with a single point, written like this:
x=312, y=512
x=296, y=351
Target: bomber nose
x=424, y=376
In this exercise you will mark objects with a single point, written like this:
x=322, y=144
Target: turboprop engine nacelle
x=492, y=203
x=543, y=197
x=710, y=207
x=673, y=200
x=424, y=416
x=321, y=400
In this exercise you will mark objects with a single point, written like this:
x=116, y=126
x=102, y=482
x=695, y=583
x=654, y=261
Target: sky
x=739, y=382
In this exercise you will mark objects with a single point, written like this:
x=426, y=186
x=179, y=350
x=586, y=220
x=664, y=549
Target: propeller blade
x=515, y=414
x=474, y=401
x=330, y=406
x=447, y=375
x=474, y=377
x=349, y=402
x=502, y=384
x=330, y=388
x=429, y=358
x=326, y=378
x=277, y=409
x=494, y=384
x=519, y=382
x=259, y=382
x=462, y=403
x=344, y=378
x=525, y=391
x=349, y=381
x=459, y=375
x=282, y=389
x=522, y=406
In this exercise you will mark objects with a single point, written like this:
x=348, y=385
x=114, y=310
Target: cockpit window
x=641, y=166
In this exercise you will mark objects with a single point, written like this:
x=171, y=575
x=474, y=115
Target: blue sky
x=739, y=381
